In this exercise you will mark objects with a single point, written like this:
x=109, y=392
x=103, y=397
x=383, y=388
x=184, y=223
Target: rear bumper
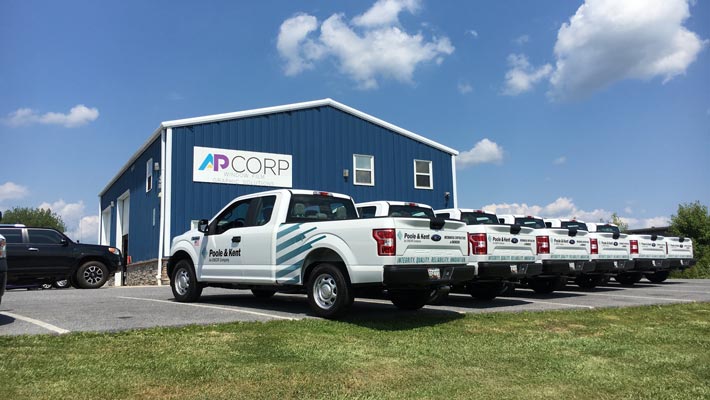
x=679, y=263
x=503, y=271
x=613, y=266
x=572, y=268
x=408, y=276
x=648, y=265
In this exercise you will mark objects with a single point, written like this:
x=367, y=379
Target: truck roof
x=392, y=203
x=298, y=191
x=464, y=210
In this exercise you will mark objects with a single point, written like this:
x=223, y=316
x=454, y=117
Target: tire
x=263, y=293
x=91, y=275
x=657, y=277
x=487, y=290
x=588, y=281
x=547, y=285
x=629, y=278
x=61, y=284
x=184, y=283
x=410, y=299
x=45, y=285
x=329, y=291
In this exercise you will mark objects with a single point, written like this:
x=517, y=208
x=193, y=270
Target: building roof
x=272, y=110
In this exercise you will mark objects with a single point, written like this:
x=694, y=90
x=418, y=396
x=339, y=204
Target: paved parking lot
x=115, y=309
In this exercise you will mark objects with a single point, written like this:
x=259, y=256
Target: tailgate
x=678, y=249
x=420, y=242
x=507, y=243
x=649, y=248
x=563, y=246
x=612, y=249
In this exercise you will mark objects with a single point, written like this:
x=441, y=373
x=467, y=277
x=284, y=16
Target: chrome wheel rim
x=93, y=274
x=325, y=291
x=182, y=282
x=63, y=283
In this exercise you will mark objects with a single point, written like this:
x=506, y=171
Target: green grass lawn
x=645, y=353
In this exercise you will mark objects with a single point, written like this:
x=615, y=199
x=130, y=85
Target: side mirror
x=203, y=226
x=64, y=242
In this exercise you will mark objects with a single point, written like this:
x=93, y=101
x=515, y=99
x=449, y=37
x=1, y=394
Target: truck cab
x=500, y=253
x=564, y=252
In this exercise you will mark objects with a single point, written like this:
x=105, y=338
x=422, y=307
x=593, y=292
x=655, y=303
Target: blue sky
x=560, y=108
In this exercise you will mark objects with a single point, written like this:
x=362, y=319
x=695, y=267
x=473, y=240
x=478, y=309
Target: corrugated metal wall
x=322, y=142
x=143, y=235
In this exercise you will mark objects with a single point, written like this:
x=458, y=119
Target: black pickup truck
x=46, y=255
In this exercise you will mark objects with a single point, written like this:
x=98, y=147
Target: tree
x=616, y=220
x=40, y=217
x=693, y=221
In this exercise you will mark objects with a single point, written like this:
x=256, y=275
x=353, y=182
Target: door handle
x=236, y=239
x=33, y=249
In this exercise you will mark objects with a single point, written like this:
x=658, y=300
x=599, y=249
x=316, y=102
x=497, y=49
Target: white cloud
x=521, y=40
x=79, y=115
x=12, y=191
x=380, y=48
x=610, y=40
x=464, y=87
x=385, y=12
x=564, y=207
x=485, y=151
x=521, y=77
x=86, y=231
x=80, y=226
x=472, y=33
x=559, y=160
x=628, y=210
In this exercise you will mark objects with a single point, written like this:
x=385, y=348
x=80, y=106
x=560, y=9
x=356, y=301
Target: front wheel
x=184, y=283
x=91, y=275
x=409, y=299
x=329, y=292
x=657, y=277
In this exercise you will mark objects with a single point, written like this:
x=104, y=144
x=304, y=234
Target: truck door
x=257, y=240
x=222, y=254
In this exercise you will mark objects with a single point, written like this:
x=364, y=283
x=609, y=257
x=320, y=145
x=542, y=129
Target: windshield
x=411, y=211
x=580, y=226
x=608, y=229
x=530, y=222
x=479, y=218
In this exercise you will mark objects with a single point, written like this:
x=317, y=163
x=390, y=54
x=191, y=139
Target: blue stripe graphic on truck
x=298, y=251
x=291, y=252
x=286, y=243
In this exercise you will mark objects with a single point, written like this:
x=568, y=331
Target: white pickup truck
x=648, y=255
x=298, y=240
x=563, y=252
x=500, y=253
x=609, y=250
x=679, y=255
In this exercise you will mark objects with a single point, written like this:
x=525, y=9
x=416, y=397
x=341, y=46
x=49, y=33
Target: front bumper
x=419, y=276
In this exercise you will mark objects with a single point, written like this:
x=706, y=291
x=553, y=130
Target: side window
x=12, y=236
x=422, y=175
x=364, y=167
x=367, y=212
x=41, y=236
x=233, y=217
x=264, y=210
x=149, y=175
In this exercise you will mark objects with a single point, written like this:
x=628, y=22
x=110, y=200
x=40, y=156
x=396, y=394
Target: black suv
x=46, y=255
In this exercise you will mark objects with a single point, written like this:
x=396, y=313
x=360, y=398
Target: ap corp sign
x=238, y=167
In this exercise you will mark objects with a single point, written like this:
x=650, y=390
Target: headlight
x=114, y=250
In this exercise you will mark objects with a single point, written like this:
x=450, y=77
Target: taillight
x=634, y=246
x=477, y=243
x=543, y=244
x=594, y=246
x=386, y=244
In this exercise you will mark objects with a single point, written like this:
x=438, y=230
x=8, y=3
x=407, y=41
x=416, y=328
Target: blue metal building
x=190, y=168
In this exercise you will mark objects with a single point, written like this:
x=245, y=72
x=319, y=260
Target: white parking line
x=37, y=322
x=629, y=296
x=233, y=309
x=546, y=302
x=679, y=291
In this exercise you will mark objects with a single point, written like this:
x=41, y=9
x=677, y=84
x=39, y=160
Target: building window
x=422, y=175
x=364, y=167
x=149, y=175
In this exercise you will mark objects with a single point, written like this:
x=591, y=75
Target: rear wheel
x=46, y=285
x=263, y=293
x=486, y=290
x=629, y=278
x=91, y=275
x=589, y=281
x=657, y=277
x=547, y=285
x=409, y=299
x=329, y=292
x=184, y=283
